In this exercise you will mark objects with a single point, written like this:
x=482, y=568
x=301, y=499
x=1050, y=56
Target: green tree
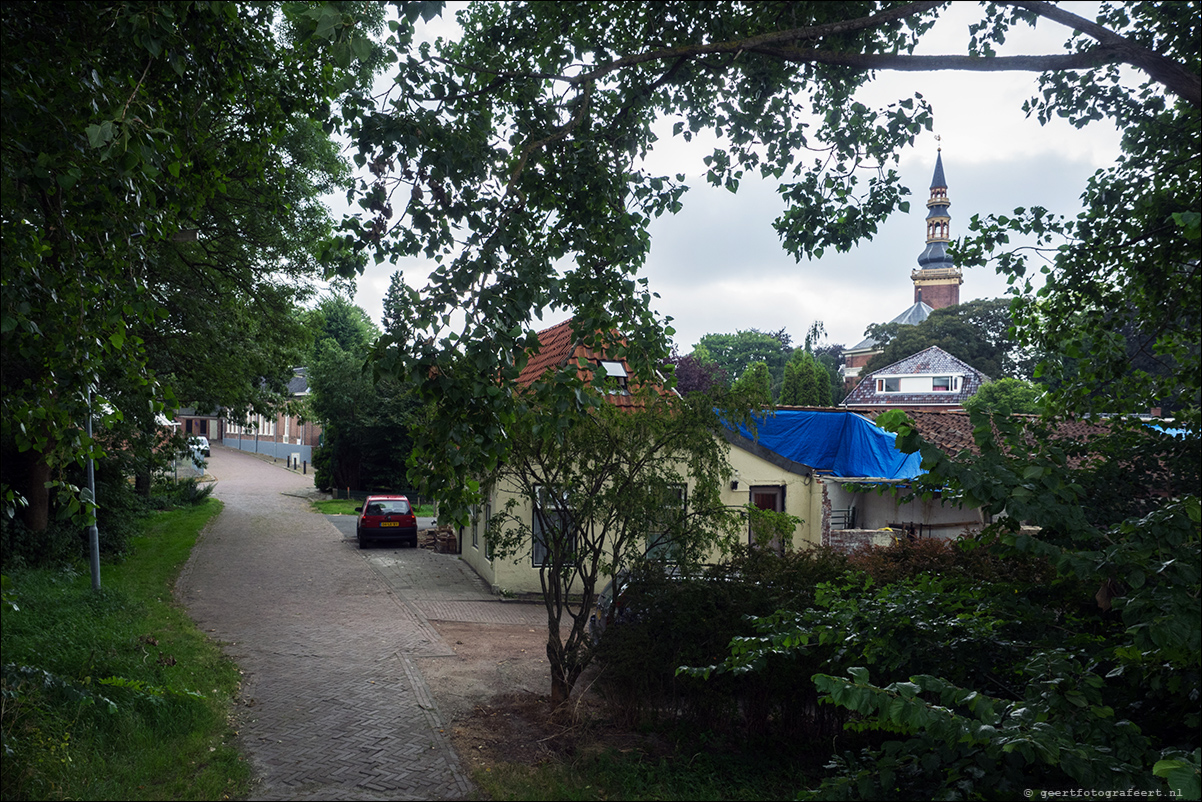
x=791, y=388
x=976, y=332
x=755, y=384
x=520, y=149
x=736, y=353
x=366, y=420
x=1015, y=395
x=156, y=175
x=806, y=382
x=504, y=159
x=337, y=320
x=608, y=490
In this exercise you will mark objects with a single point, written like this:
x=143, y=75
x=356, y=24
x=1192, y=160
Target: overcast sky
x=718, y=265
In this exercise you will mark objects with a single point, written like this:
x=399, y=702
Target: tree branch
x=890, y=61
x=1172, y=75
x=1112, y=49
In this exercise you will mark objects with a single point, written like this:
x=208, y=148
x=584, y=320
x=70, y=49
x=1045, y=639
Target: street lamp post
x=93, y=531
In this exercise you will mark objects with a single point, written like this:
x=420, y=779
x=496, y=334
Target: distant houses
x=284, y=435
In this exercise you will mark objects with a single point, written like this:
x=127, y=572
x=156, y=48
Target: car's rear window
x=388, y=507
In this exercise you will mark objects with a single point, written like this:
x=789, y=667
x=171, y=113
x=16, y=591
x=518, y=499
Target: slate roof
x=299, y=383
x=937, y=179
x=933, y=361
x=913, y=315
x=558, y=345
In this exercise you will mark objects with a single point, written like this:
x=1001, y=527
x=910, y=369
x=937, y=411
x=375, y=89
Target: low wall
x=281, y=451
x=849, y=540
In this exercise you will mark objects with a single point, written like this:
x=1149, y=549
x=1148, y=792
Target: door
x=767, y=498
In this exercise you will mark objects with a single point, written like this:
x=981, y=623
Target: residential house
x=284, y=435
x=207, y=424
x=829, y=467
x=797, y=460
x=932, y=379
x=558, y=348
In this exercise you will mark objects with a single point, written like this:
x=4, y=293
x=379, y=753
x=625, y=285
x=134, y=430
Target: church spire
x=936, y=272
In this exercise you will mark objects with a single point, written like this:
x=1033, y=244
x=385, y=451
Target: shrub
x=184, y=493
x=968, y=558
x=323, y=468
x=674, y=621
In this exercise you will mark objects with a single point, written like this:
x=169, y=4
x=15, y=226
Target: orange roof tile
x=557, y=346
x=951, y=430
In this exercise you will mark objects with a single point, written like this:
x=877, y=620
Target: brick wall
x=938, y=296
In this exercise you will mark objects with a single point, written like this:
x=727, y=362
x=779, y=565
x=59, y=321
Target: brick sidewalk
x=332, y=705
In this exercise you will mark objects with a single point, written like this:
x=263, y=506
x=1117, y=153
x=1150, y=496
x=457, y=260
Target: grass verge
x=116, y=694
x=342, y=506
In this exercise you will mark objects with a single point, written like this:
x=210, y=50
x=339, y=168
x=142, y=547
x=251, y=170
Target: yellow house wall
x=803, y=496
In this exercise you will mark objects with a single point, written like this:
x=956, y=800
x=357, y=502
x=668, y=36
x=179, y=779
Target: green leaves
x=116, y=161
x=100, y=135
x=1182, y=774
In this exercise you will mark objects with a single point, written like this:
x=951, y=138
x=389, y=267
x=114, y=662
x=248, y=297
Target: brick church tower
x=937, y=281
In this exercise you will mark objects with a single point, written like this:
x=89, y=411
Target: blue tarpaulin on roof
x=844, y=443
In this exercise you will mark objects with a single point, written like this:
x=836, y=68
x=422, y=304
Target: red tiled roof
x=557, y=346
x=951, y=431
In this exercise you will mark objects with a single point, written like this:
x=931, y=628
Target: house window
x=550, y=516
x=661, y=540
x=941, y=384
x=615, y=377
x=888, y=385
x=484, y=525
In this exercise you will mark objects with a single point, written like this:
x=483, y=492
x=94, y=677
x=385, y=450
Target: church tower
x=937, y=281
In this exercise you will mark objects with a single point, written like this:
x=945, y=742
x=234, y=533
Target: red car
x=386, y=518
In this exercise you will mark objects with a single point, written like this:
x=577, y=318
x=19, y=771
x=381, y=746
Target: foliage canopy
x=515, y=156
x=161, y=167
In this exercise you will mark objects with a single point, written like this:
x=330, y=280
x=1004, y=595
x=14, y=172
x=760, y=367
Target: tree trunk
x=142, y=482
x=37, y=514
x=563, y=677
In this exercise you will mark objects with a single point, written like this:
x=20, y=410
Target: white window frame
x=538, y=543
x=882, y=384
x=669, y=550
x=617, y=372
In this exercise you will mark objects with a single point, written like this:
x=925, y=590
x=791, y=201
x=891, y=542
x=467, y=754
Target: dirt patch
x=494, y=695
x=489, y=660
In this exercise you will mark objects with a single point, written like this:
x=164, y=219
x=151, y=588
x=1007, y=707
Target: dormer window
x=615, y=377
x=891, y=385
x=941, y=384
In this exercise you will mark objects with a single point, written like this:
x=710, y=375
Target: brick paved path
x=334, y=707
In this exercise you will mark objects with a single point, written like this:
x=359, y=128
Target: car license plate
x=391, y=523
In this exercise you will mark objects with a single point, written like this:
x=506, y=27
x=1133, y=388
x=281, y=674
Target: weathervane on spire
x=938, y=138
